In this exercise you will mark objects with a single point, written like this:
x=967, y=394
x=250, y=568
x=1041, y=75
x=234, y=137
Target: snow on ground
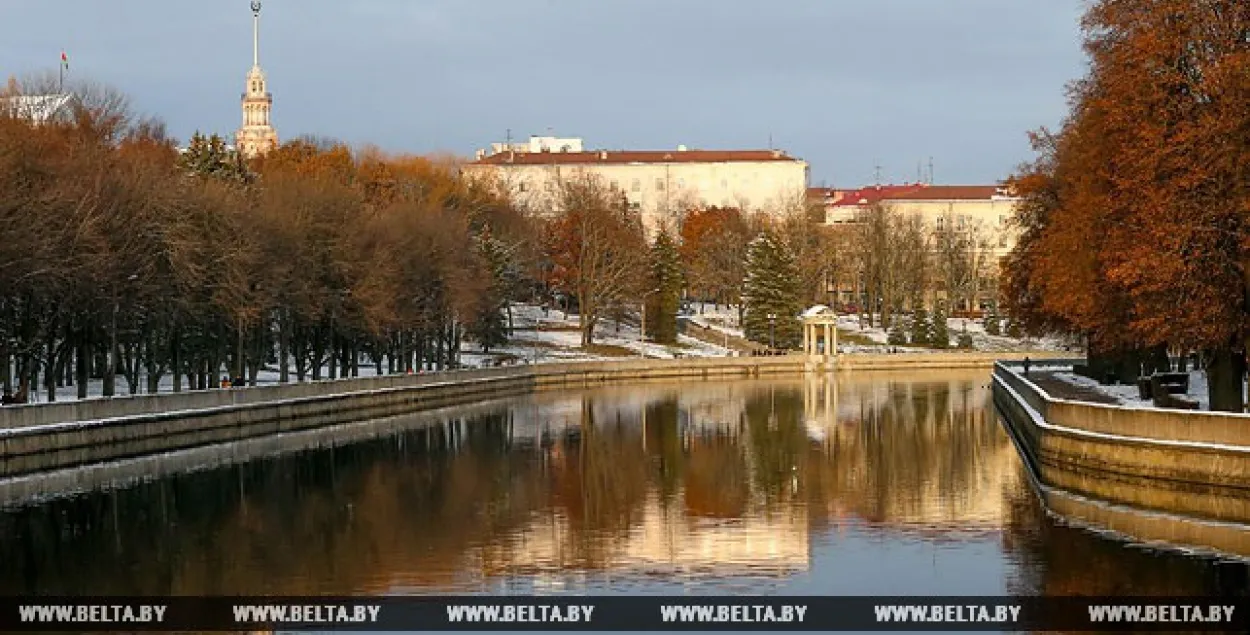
x=95, y=387
x=1128, y=395
x=552, y=335
x=857, y=328
x=544, y=335
x=722, y=318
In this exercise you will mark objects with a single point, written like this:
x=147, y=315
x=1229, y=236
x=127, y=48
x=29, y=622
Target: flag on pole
x=64, y=61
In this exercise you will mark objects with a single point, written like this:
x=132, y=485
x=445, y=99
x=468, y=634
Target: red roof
x=600, y=157
x=917, y=192
x=949, y=193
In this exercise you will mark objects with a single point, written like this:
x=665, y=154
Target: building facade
x=661, y=184
x=979, y=214
x=257, y=135
x=38, y=109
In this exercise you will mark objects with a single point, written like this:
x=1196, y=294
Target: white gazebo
x=820, y=334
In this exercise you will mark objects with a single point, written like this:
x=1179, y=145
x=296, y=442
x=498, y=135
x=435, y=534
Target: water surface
x=873, y=483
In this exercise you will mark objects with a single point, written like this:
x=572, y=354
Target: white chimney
x=603, y=155
x=481, y=154
x=681, y=148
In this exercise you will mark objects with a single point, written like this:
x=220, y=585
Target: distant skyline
x=844, y=84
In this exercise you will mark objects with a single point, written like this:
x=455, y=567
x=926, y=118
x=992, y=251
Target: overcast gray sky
x=844, y=84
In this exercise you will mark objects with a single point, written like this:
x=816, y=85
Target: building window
x=681, y=184
x=1002, y=241
x=724, y=184
x=551, y=187
x=635, y=206
x=616, y=185
x=521, y=187
x=659, y=185
x=1002, y=220
x=636, y=186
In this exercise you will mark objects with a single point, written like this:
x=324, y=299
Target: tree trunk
x=175, y=357
x=353, y=349
x=284, y=346
x=6, y=372
x=50, y=369
x=332, y=357
x=1226, y=369
x=110, y=367
x=82, y=361
x=318, y=352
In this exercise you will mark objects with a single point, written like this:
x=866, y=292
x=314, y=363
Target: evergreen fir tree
x=965, y=339
x=488, y=325
x=939, y=334
x=666, y=279
x=1014, y=330
x=993, y=321
x=920, y=327
x=209, y=157
x=771, y=287
x=898, y=333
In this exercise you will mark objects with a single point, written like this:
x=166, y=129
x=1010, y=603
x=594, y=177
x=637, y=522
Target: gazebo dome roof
x=819, y=310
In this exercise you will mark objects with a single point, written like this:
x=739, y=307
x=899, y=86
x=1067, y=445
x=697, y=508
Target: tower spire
x=256, y=33
x=256, y=135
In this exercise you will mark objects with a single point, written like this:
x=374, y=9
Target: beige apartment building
x=661, y=184
x=981, y=212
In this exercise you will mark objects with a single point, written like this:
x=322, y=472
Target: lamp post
x=772, y=330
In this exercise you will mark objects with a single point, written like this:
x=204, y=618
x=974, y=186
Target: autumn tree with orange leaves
x=597, y=250
x=713, y=250
x=1135, y=213
x=121, y=257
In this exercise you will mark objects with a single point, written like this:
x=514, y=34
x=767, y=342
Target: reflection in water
x=873, y=483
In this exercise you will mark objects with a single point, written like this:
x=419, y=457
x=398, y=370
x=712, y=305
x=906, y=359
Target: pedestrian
x=7, y=399
x=225, y=381
x=1026, y=366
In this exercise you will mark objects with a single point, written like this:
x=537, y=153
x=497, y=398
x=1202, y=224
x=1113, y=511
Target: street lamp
x=772, y=330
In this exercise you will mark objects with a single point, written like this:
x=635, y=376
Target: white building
x=981, y=213
x=661, y=184
x=38, y=109
x=535, y=144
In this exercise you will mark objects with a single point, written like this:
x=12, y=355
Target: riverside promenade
x=45, y=436
x=1179, y=477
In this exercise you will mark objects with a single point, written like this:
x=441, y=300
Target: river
x=873, y=483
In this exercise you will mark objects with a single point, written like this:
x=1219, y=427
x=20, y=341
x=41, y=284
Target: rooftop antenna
x=770, y=141
x=919, y=173
x=930, y=170
x=877, y=173
x=509, y=138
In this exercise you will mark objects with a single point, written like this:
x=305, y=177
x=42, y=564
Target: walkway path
x=1061, y=389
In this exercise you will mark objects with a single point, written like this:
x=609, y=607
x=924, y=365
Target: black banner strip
x=618, y=613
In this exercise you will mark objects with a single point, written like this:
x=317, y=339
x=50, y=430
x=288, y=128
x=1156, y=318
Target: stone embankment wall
x=1171, y=475
x=42, y=436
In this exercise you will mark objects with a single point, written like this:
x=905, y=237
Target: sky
x=846, y=85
